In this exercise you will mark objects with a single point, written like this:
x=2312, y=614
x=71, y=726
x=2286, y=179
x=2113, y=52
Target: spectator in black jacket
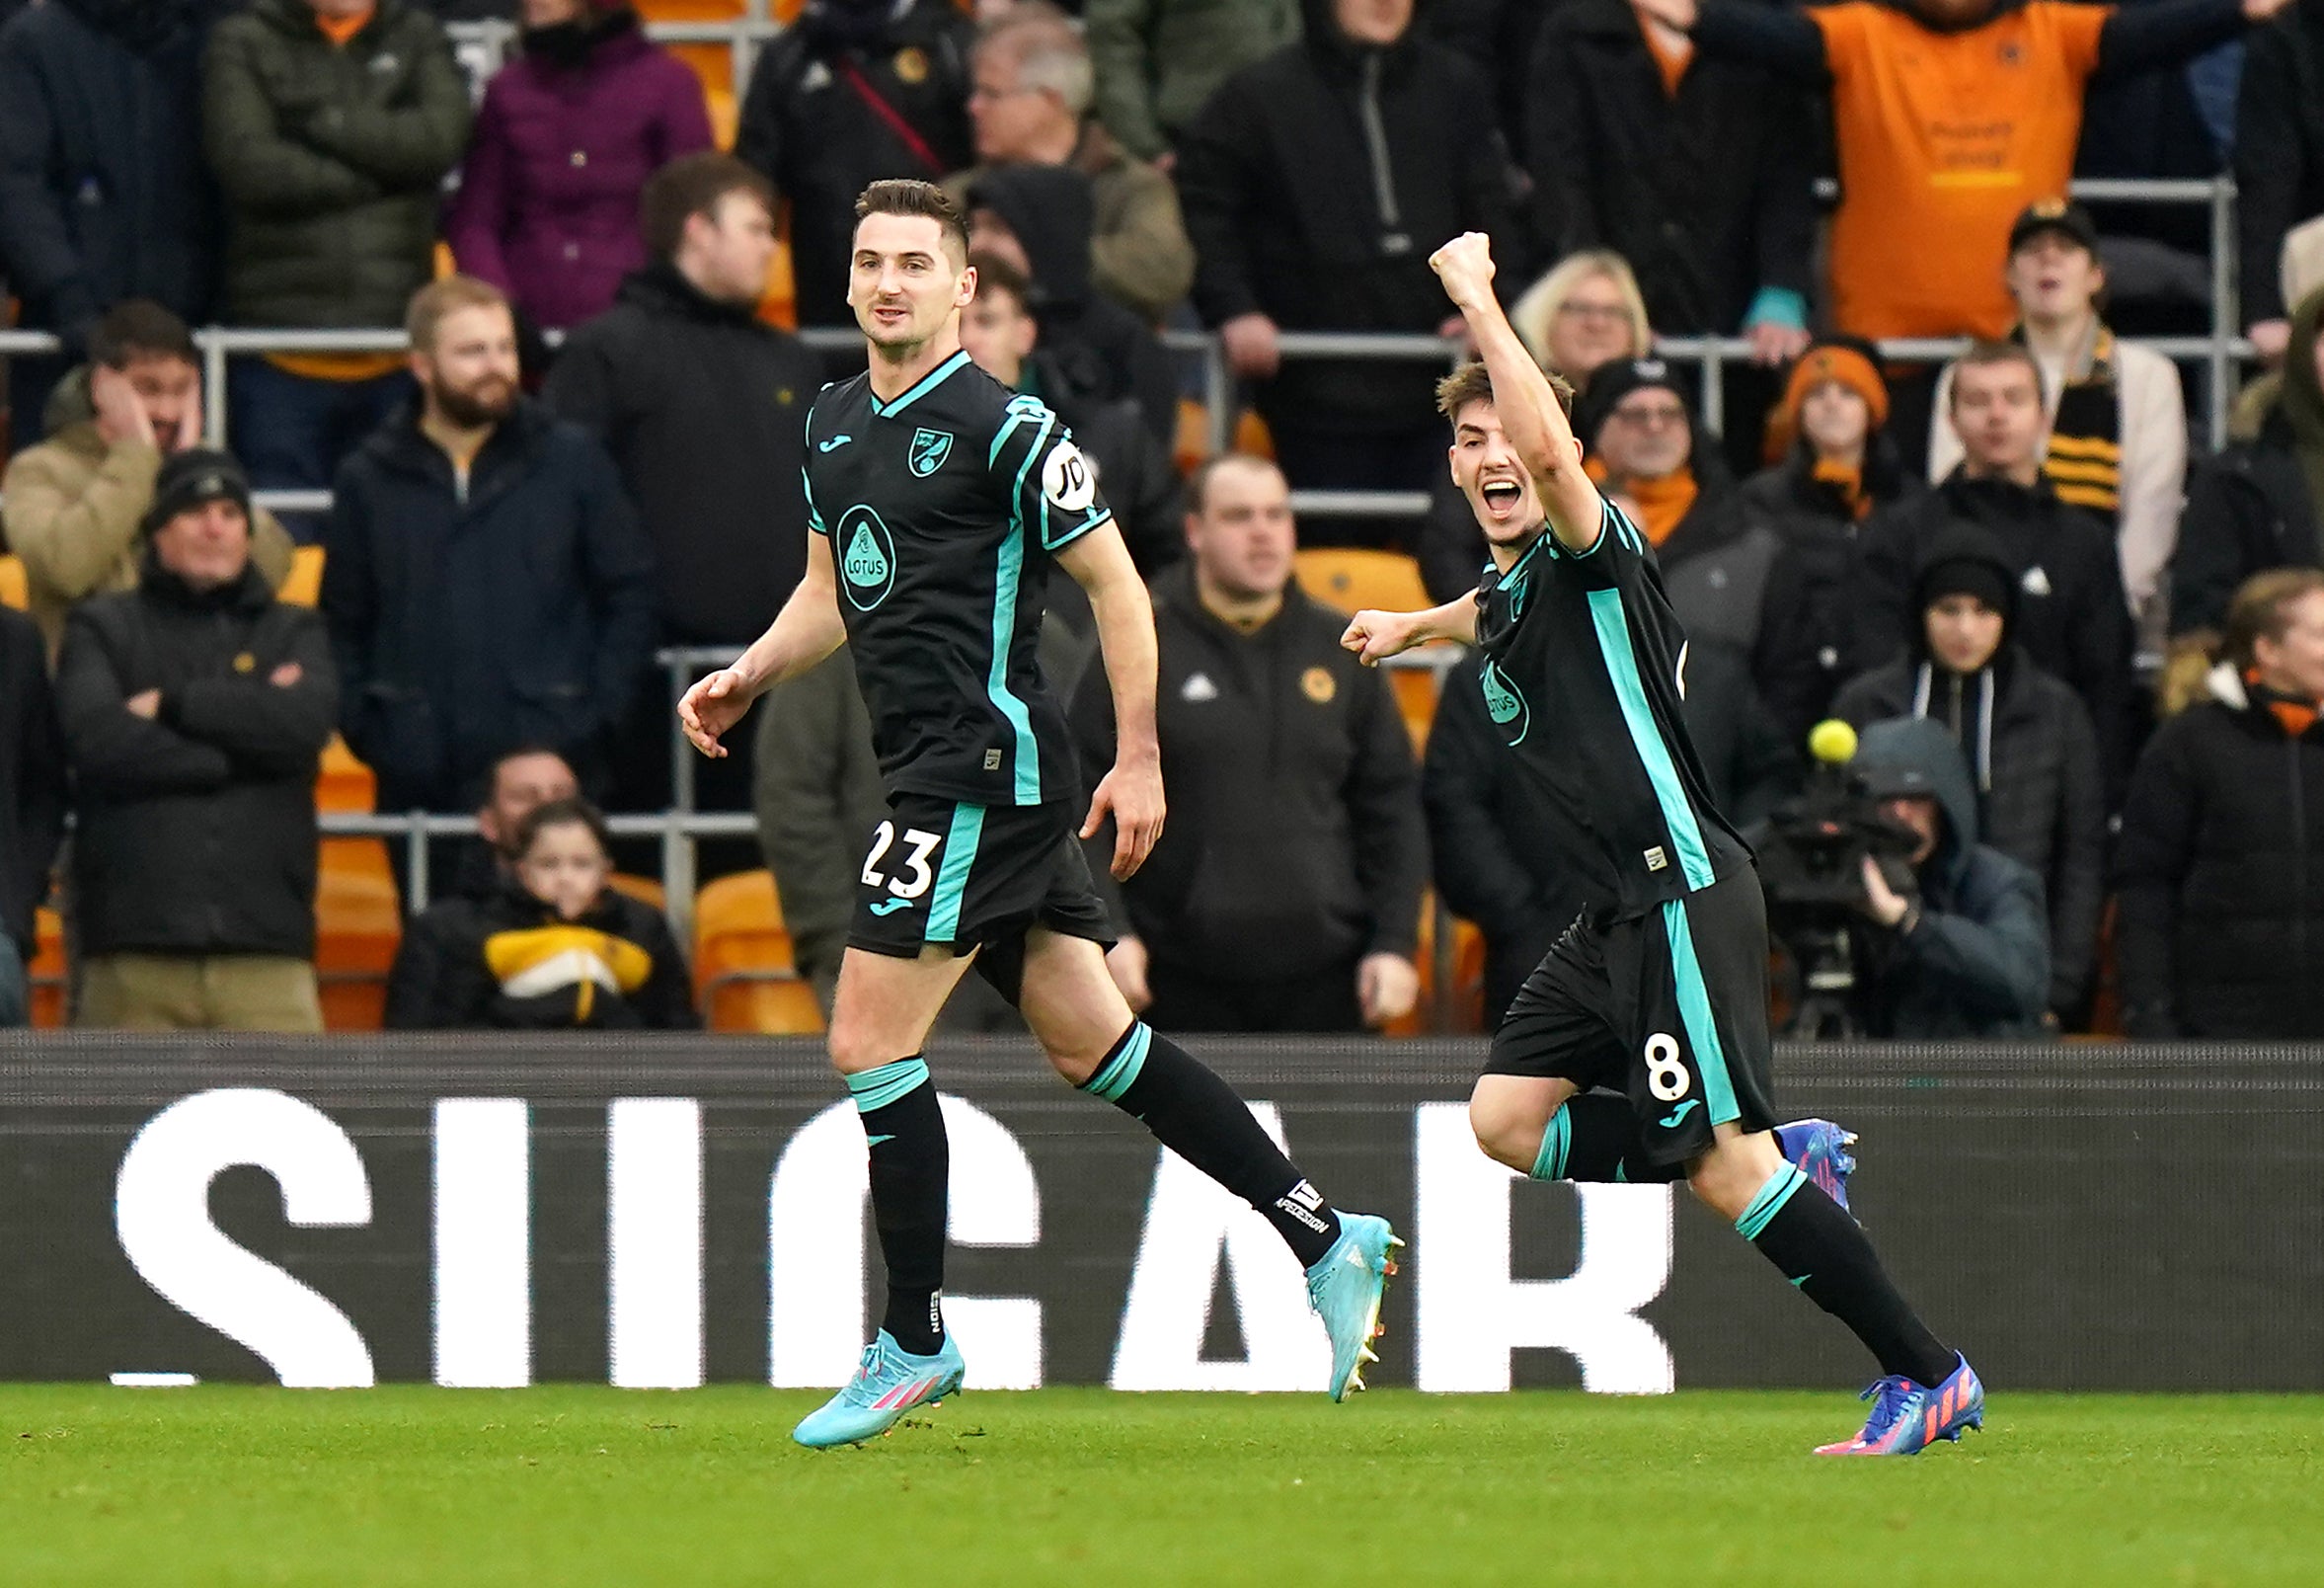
x=1303, y=221
x=2072, y=615
x=1498, y=845
x=2260, y=503
x=704, y=408
x=553, y=948
x=1138, y=478
x=851, y=92
x=2220, y=865
x=2278, y=159
x=1285, y=895
x=1836, y=465
x=31, y=800
x=103, y=191
x=1038, y=217
x=521, y=782
x=1963, y=951
x=487, y=582
x=1699, y=172
x=194, y=710
x=2025, y=737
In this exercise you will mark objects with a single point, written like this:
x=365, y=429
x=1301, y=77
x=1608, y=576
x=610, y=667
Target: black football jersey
x=943, y=508
x=1584, y=670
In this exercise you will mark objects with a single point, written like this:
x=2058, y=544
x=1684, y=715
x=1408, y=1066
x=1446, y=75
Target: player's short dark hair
x=139, y=328
x=1198, y=483
x=563, y=813
x=1470, y=383
x=693, y=185
x=907, y=195
x=2262, y=610
x=996, y=273
x=1991, y=353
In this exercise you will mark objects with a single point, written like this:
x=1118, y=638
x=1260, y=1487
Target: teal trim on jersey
x=921, y=388
x=1097, y=521
x=1115, y=1076
x=1646, y=737
x=1605, y=510
x=952, y=878
x=1005, y=579
x=814, y=516
x=876, y=1088
x=1550, y=1162
x=1621, y=1172
x=1768, y=1203
x=1694, y=1010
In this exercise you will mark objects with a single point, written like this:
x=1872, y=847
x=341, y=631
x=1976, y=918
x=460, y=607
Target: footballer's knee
x=1508, y=1121
x=1729, y=1174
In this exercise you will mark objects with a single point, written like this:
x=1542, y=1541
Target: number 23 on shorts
x=913, y=875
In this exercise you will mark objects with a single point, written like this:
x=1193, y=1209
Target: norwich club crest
x=867, y=558
x=930, y=447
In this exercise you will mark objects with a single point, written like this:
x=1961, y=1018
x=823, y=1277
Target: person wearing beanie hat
x=194, y=710
x=2027, y=740
x=1831, y=463
x=74, y=505
x=2115, y=445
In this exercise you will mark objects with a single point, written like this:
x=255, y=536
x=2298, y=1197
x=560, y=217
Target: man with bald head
x=1284, y=894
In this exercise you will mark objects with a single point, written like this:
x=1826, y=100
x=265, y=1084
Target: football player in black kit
x=1639, y=1049
x=936, y=500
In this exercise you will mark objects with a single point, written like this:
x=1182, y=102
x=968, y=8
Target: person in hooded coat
x=1041, y=219
x=1966, y=953
x=2026, y=736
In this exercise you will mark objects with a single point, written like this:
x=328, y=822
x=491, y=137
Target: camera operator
x=1967, y=952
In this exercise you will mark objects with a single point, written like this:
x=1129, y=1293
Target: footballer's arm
x=1133, y=791
x=1529, y=410
x=808, y=629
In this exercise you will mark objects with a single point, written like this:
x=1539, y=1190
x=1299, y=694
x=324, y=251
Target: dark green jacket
x=331, y=159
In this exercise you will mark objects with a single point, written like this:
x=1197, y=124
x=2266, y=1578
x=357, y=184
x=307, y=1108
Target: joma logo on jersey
x=867, y=557
x=930, y=447
x=1503, y=704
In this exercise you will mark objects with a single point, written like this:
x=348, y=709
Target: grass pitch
x=229, y=1486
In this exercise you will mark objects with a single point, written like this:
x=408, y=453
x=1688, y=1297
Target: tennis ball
x=1832, y=741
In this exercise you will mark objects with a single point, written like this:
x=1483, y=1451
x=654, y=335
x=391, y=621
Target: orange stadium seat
x=303, y=584
x=13, y=590
x=744, y=978
x=47, y=970
x=1350, y=578
x=357, y=925
x=645, y=890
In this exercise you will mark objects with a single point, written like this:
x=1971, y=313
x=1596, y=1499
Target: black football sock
x=1594, y=1138
x=1198, y=1117
x=911, y=1168
x=1825, y=1254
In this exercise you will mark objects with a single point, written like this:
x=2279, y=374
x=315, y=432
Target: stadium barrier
x=486, y=1209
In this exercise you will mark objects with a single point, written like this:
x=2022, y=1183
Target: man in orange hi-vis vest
x=1952, y=116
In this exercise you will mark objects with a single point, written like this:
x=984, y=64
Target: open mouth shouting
x=1504, y=498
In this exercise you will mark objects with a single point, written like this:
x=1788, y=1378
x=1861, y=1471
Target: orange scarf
x=338, y=29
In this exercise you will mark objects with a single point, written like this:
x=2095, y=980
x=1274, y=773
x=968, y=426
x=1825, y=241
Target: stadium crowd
x=2085, y=651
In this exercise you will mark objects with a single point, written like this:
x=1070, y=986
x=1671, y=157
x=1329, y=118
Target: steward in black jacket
x=197, y=824
x=467, y=622
x=2072, y=616
x=1298, y=214
x=1295, y=845
x=704, y=408
x=507, y=961
x=2220, y=872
